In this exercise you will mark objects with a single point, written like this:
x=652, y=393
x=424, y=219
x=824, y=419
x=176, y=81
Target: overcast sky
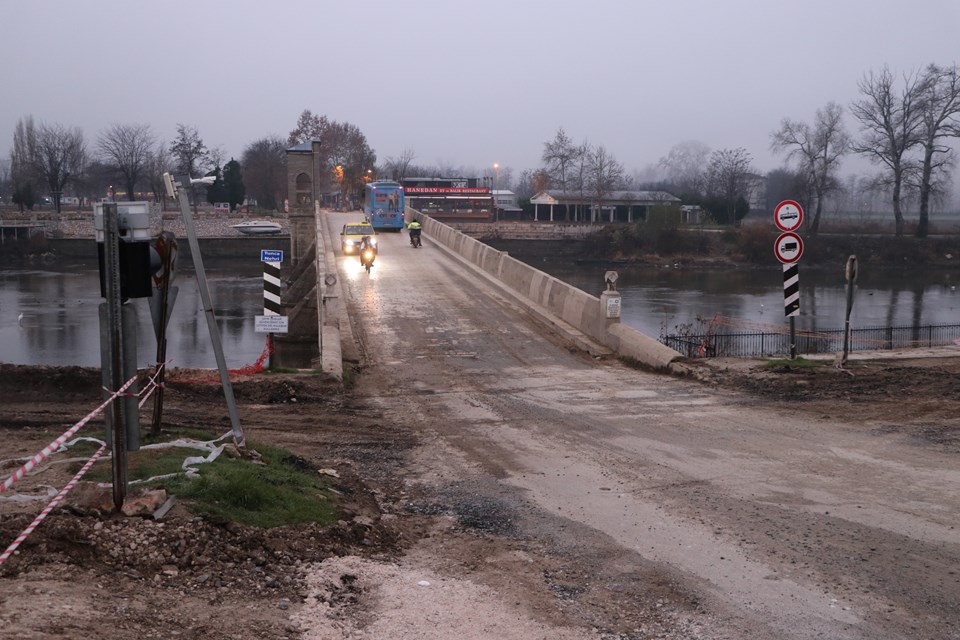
x=461, y=83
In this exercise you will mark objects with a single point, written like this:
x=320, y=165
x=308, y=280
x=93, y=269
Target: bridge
x=316, y=292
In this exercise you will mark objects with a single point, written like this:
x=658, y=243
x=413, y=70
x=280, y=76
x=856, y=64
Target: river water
x=50, y=316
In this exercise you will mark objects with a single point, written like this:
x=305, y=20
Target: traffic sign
x=788, y=215
x=271, y=255
x=788, y=247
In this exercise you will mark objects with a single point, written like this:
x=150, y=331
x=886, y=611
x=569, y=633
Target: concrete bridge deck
x=589, y=323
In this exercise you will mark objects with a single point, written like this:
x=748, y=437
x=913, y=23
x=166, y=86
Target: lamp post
x=496, y=210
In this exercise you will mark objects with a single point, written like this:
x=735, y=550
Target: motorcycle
x=367, y=256
x=415, y=239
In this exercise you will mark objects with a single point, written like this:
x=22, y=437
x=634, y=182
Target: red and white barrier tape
x=53, y=446
x=50, y=507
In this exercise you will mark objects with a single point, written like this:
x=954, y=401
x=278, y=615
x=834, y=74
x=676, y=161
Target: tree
x=264, y=163
x=561, y=156
x=22, y=174
x=128, y=148
x=59, y=157
x=188, y=150
x=189, y=154
x=216, y=191
x=604, y=175
x=309, y=127
x=940, y=120
x=727, y=181
x=234, y=191
x=158, y=163
x=345, y=146
x=819, y=149
x=685, y=166
x=397, y=167
x=891, y=124
x=5, y=182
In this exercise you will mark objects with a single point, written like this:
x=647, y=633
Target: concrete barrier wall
x=575, y=307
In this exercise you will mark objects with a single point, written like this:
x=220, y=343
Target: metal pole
x=211, y=318
x=111, y=265
x=851, y=276
x=793, y=338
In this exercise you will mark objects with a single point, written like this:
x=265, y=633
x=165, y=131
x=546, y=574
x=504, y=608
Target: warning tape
x=53, y=446
x=50, y=507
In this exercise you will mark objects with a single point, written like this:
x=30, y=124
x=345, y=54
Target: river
x=49, y=316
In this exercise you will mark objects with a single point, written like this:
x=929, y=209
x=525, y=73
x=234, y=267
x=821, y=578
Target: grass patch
x=283, y=491
x=798, y=363
x=142, y=464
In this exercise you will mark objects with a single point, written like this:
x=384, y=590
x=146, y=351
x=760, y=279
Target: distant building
x=615, y=206
x=451, y=199
x=506, y=203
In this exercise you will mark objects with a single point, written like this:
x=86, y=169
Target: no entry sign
x=788, y=247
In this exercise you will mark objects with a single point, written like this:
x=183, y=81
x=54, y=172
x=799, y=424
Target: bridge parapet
x=580, y=310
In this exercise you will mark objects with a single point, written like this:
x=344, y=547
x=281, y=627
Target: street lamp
x=496, y=211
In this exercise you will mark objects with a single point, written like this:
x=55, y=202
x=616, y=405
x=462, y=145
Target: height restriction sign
x=788, y=215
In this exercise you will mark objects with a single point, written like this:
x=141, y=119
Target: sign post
x=788, y=248
x=271, y=321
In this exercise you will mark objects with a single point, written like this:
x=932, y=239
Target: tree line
x=905, y=126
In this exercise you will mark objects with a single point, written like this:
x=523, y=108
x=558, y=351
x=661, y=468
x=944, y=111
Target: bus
x=383, y=205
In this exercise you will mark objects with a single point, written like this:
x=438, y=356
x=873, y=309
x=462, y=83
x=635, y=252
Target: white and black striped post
x=791, y=301
x=271, y=288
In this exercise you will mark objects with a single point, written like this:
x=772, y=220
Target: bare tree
x=189, y=154
x=685, y=165
x=561, y=156
x=22, y=174
x=819, y=149
x=604, y=175
x=891, y=124
x=728, y=178
x=59, y=157
x=397, y=167
x=188, y=150
x=940, y=116
x=265, y=171
x=158, y=163
x=127, y=147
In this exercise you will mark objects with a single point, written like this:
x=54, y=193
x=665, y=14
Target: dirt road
x=505, y=486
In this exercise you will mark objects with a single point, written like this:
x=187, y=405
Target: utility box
x=135, y=261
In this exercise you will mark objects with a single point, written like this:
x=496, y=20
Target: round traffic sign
x=788, y=247
x=788, y=215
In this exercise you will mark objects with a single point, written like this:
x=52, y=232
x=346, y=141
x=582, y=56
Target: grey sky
x=461, y=84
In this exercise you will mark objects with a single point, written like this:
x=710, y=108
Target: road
x=654, y=504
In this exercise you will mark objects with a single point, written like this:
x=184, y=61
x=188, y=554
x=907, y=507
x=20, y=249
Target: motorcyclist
x=414, y=228
x=367, y=243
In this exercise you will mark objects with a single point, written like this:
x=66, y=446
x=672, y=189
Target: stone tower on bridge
x=304, y=171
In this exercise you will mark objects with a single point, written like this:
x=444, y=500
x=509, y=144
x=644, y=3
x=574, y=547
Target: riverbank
x=614, y=244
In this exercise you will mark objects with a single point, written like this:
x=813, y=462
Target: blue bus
x=383, y=205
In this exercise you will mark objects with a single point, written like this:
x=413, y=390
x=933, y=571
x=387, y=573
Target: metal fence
x=774, y=343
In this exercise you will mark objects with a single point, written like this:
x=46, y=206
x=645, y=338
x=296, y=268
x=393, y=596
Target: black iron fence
x=774, y=343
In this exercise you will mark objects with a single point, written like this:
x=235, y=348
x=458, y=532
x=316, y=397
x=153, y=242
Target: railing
x=772, y=343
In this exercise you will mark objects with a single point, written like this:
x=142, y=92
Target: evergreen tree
x=215, y=192
x=234, y=191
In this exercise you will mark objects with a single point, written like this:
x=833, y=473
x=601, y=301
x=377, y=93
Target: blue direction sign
x=271, y=255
